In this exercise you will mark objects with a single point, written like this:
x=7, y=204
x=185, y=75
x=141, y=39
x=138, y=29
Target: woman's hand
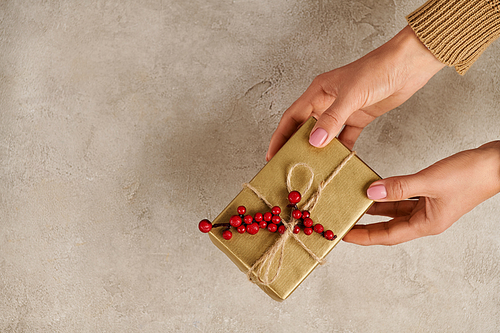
x=447, y=190
x=356, y=94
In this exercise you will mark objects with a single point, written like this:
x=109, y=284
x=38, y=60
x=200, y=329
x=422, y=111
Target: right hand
x=354, y=95
x=447, y=190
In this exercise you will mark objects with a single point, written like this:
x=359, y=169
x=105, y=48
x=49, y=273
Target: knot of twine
x=262, y=266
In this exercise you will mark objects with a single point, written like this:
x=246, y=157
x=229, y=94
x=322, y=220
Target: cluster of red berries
x=270, y=220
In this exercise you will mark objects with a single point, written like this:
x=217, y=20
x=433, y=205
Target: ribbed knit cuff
x=457, y=31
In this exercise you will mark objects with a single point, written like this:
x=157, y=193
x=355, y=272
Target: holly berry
x=329, y=235
x=268, y=216
x=253, y=228
x=294, y=197
x=205, y=226
x=235, y=221
x=248, y=219
x=242, y=210
x=258, y=217
x=308, y=222
x=318, y=228
x=272, y=227
x=270, y=220
x=241, y=229
x=297, y=214
x=227, y=234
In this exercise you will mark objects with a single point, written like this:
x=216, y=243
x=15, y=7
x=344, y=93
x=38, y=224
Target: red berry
x=308, y=231
x=281, y=229
x=296, y=229
x=306, y=214
x=308, y=222
x=241, y=229
x=262, y=224
x=248, y=219
x=268, y=216
x=318, y=228
x=258, y=217
x=297, y=214
x=272, y=227
x=276, y=219
x=227, y=234
x=276, y=210
x=235, y=221
x=294, y=197
x=205, y=226
x=329, y=235
x=253, y=228
x=242, y=210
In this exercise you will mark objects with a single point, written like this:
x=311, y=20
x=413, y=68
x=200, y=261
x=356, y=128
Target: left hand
x=356, y=94
x=447, y=189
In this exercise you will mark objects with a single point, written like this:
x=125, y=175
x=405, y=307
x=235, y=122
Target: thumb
x=398, y=188
x=331, y=121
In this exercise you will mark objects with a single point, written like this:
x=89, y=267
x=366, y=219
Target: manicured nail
x=318, y=137
x=376, y=192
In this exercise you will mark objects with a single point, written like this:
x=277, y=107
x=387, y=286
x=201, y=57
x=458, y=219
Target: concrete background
x=123, y=124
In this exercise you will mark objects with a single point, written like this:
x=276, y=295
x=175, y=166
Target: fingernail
x=318, y=137
x=376, y=192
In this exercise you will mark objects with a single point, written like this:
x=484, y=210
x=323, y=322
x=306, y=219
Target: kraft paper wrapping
x=339, y=207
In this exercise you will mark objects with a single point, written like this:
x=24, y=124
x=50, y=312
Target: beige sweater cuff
x=457, y=31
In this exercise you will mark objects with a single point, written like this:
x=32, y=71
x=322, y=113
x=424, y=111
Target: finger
x=286, y=127
x=399, y=188
x=331, y=121
x=393, y=209
x=312, y=102
x=349, y=135
x=396, y=231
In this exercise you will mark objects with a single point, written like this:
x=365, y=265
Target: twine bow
x=262, y=266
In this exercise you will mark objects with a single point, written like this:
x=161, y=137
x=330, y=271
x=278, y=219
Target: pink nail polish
x=376, y=192
x=318, y=137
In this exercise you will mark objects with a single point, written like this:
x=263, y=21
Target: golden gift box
x=337, y=181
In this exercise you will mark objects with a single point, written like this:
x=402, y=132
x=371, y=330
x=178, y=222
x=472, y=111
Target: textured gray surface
x=122, y=125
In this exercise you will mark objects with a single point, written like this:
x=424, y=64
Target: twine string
x=311, y=203
x=262, y=266
x=290, y=174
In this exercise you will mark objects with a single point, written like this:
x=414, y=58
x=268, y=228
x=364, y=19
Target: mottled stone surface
x=122, y=124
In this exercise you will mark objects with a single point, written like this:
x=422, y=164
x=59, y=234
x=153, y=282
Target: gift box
x=336, y=198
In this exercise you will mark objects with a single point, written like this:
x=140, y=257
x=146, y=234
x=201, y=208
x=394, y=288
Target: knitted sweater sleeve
x=457, y=31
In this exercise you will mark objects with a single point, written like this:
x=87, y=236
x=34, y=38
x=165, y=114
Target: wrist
x=415, y=54
x=491, y=154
